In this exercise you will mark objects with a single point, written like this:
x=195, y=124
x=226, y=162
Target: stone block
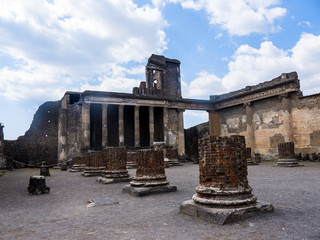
x=224, y=215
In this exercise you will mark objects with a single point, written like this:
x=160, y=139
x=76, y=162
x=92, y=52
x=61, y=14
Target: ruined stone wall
x=306, y=124
x=73, y=130
x=40, y=142
x=233, y=120
x=191, y=140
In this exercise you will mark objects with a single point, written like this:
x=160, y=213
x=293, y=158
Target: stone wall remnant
x=223, y=194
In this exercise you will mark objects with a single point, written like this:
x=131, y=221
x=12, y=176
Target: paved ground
x=63, y=213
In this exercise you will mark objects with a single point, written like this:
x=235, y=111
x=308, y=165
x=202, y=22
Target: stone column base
x=93, y=171
x=143, y=191
x=78, y=168
x=224, y=215
x=287, y=163
x=250, y=161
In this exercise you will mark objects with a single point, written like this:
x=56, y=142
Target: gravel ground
x=63, y=213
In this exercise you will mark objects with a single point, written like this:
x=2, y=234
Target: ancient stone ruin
x=250, y=160
x=37, y=185
x=116, y=165
x=150, y=175
x=287, y=156
x=223, y=194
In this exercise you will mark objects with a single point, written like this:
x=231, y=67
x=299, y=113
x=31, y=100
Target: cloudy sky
x=48, y=47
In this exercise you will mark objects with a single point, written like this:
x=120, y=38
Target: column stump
x=250, y=160
x=78, y=164
x=116, y=166
x=44, y=170
x=223, y=194
x=286, y=155
x=95, y=164
x=37, y=185
x=150, y=175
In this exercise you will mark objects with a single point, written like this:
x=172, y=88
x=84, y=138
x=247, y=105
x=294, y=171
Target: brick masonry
x=150, y=169
x=286, y=150
x=223, y=172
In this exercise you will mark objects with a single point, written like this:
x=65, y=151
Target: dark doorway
x=113, y=125
x=96, y=126
x=158, y=124
x=144, y=127
x=128, y=117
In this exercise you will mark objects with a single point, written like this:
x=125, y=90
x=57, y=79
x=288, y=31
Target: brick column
x=286, y=155
x=181, y=140
x=287, y=120
x=250, y=126
x=223, y=194
x=121, y=126
x=166, y=126
x=223, y=172
x=104, y=125
x=150, y=175
x=250, y=160
x=85, y=117
x=136, y=126
x=151, y=125
x=214, y=123
x=116, y=165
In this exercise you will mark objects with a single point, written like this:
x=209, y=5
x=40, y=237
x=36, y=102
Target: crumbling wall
x=306, y=124
x=40, y=142
x=192, y=135
x=73, y=131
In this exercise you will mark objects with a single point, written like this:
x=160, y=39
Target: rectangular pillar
x=136, y=126
x=287, y=120
x=151, y=125
x=166, y=126
x=250, y=127
x=121, y=126
x=85, y=118
x=181, y=140
x=214, y=124
x=104, y=125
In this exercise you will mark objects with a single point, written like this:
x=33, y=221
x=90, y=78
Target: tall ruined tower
x=163, y=77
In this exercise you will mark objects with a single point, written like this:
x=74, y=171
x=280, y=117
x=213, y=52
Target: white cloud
x=55, y=46
x=239, y=17
x=201, y=86
x=251, y=66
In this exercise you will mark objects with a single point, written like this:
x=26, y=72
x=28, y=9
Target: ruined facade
x=267, y=114
x=93, y=120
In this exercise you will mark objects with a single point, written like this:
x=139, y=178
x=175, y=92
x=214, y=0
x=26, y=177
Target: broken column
x=150, y=175
x=286, y=155
x=78, y=164
x=44, y=169
x=132, y=160
x=95, y=164
x=116, y=165
x=223, y=194
x=37, y=185
x=247, y=153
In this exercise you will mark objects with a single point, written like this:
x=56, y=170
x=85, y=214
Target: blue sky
x=50, y=47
